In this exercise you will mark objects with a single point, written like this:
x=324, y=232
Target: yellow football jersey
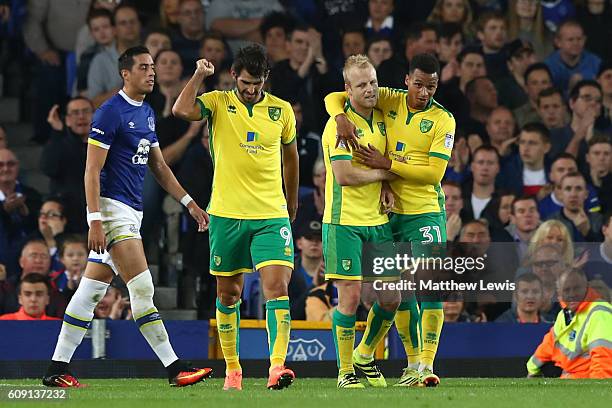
x=245, y=145
x=413, y=137
x=353, y=205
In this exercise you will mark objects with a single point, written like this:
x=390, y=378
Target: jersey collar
x=412, y=113
x=128, y=99
x=348, y=106
x=250, y=106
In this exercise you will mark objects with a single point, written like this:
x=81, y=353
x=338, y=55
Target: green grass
x=322, y=393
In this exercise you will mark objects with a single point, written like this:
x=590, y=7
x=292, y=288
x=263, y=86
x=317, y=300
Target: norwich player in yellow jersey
x=249, y=214
x=353, y=217
x=420, y=135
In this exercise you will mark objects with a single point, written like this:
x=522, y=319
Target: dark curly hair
x=253, y=59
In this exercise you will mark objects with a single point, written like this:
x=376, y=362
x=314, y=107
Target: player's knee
x=229, y=298
x=274, y=290
x=349, y=297
x=141, y=287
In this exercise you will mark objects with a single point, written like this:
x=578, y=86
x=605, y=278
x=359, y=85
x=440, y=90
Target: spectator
x=113, y=306
x=454, y=309
x=19, y=206
x=524, y=220
x=215, y=50
x=169, y=14
x=35, y=258
x=583, y=312
x=526, y=172
x=502, y=207
x=537, y=78
x=605, y=81
x=492, y=34
x=33, y=299
x=571, y=62
x=551, y=109
x=585, y=102
x=553, y=232
x=599, y=159
x=186, y=40
x=594, y=17
x=419, y=38
x=51, y=226
x=478, y=197
x=450, y=43
x=453, y=204
x=482, y=97
x=305, y=76
x=546, y=262
x=380, y=19
x=453, y=11
x=224, y=81
x=379, y=49
x=583, y=226
x=311, y=205
x=500, y=131
x=353, y=42
x=526, y=22
x=73, y=256
x=239, y=20
x=511, y=89
x=103, y=79
x=63, y=158
x=275, y=29
x=100, y=25
x=50, y=32
x=452, y=92
x=599, y=264
x=308, y=266
x=527, y=297
x=85, y=38
x=309, y=146
x=552, y=202
x=168, y=67
x=156, y=41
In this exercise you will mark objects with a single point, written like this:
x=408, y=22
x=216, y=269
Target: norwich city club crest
x=217, y=260
x=274, y=113
x=381, y=127
x=426, y=125
x=346, y=264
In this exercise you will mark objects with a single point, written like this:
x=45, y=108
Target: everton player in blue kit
x=121, y=144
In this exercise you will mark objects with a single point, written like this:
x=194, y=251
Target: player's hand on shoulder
x=346, y=133
x=199, y=215
x=203, y=66
x=96, y=240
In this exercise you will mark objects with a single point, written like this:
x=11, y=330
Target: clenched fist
x=205, y=67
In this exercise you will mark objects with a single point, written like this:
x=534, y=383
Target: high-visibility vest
x=582, y=348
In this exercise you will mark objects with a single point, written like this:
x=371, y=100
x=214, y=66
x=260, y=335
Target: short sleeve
x=329, y=142
x=208, y=103
x=154, y=139
x=389, y=98
x=444, y=137
x=104, y=127
x=289, y=130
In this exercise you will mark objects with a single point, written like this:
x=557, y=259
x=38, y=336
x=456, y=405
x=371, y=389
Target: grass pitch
x=322, y=393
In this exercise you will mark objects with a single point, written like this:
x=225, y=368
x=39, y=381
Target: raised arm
x=168, y=182
x=186, y=106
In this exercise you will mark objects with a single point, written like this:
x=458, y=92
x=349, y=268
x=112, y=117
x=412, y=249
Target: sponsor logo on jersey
x=400, y=147
x=142, y=152
x=151, y=123
x=101, y=132
x=252, y=137
x=425, y=125
x=231, y=108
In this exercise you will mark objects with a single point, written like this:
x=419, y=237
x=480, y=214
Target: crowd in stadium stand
x=529, y=83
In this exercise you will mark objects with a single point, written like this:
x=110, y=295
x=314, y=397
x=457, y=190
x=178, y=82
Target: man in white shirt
x=485, y=168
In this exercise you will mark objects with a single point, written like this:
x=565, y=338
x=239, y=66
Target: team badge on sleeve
x=449, y=140
x=151, y=121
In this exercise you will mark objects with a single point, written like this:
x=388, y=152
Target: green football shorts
x=342, y=250
x=242, y=246
x=423, y=231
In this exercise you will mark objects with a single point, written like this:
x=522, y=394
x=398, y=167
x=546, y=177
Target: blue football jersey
x=126, y=128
